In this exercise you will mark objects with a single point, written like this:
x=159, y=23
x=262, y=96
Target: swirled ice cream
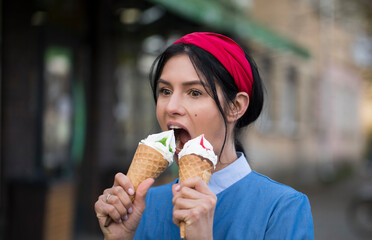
x=201, y=147
x=163, y=142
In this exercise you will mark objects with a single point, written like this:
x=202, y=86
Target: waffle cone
x=147, y=163
x=195, y=166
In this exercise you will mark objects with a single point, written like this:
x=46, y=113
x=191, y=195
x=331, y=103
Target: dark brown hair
x=215, y=74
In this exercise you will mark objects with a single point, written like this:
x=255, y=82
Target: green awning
x=213, y=14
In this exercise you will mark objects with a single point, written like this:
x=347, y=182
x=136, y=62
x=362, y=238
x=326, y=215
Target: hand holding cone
x=153, y=155
x=196, y=160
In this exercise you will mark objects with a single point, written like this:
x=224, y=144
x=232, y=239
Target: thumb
x=141, y=193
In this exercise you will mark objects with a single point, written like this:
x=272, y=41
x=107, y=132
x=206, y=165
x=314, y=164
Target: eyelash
x=191, y=92
x=194, y=91
x=164, y=91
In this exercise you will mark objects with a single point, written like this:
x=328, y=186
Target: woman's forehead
x=180, y=66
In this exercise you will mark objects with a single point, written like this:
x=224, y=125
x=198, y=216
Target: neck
x=227, y=157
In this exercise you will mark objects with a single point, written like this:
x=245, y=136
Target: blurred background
x=75, y=101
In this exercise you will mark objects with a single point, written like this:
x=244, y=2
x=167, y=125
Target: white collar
x=229, y=175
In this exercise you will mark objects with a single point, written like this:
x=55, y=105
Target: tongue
x=184, y=137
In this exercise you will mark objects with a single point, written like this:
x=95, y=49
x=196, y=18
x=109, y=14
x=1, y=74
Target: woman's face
x=184, y=105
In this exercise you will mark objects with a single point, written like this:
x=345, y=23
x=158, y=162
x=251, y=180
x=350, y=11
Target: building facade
x=311, y=123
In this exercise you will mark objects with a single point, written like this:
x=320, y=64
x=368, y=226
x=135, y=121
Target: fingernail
x=130, y=210
x=177, y=187
x=130, y=191
x=125, y=217
x=120, y=221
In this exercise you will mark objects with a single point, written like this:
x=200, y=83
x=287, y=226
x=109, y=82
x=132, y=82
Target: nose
x=175, y=105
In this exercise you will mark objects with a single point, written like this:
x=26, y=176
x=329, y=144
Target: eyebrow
x=195, y=82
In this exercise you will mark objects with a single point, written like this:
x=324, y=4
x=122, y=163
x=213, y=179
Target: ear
x=238, y=107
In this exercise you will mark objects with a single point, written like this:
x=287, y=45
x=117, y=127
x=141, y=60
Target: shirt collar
x=229, y=175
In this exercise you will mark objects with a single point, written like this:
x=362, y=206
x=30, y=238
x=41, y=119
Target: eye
x=195, y=93
x=165, y=92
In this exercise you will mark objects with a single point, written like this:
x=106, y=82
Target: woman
x=205, y=84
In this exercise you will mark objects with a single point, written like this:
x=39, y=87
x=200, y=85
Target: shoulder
x=271, y=209
x=260, y=184
x=285, y=207
x=289, y=210
x=257, y=189
x=266, y=185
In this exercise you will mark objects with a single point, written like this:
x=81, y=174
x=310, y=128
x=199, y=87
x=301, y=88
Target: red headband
x=228, y=52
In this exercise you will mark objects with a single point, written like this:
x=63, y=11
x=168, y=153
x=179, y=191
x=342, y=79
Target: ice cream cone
x=147, y=163
x=193, y=166
x=153, y=155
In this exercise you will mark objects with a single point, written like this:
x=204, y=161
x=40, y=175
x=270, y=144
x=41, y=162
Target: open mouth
x=181, y=135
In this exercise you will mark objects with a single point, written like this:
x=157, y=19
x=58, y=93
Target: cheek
x=208, y=121
x=214, y=128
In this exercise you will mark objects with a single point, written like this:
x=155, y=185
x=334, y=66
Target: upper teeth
x=174, y=127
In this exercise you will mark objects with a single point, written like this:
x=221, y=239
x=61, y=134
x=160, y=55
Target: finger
x=124, y=198
x=190, y=215
x=185, y=194
x=123, y=181
x=186, y=190
x=141, y=194
x=198, y=184
x=179, y=216
x=184, y=203
x=190, y=193
x=98, y=208
x=104, y=209
x=176, y=188
x=118, y=205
